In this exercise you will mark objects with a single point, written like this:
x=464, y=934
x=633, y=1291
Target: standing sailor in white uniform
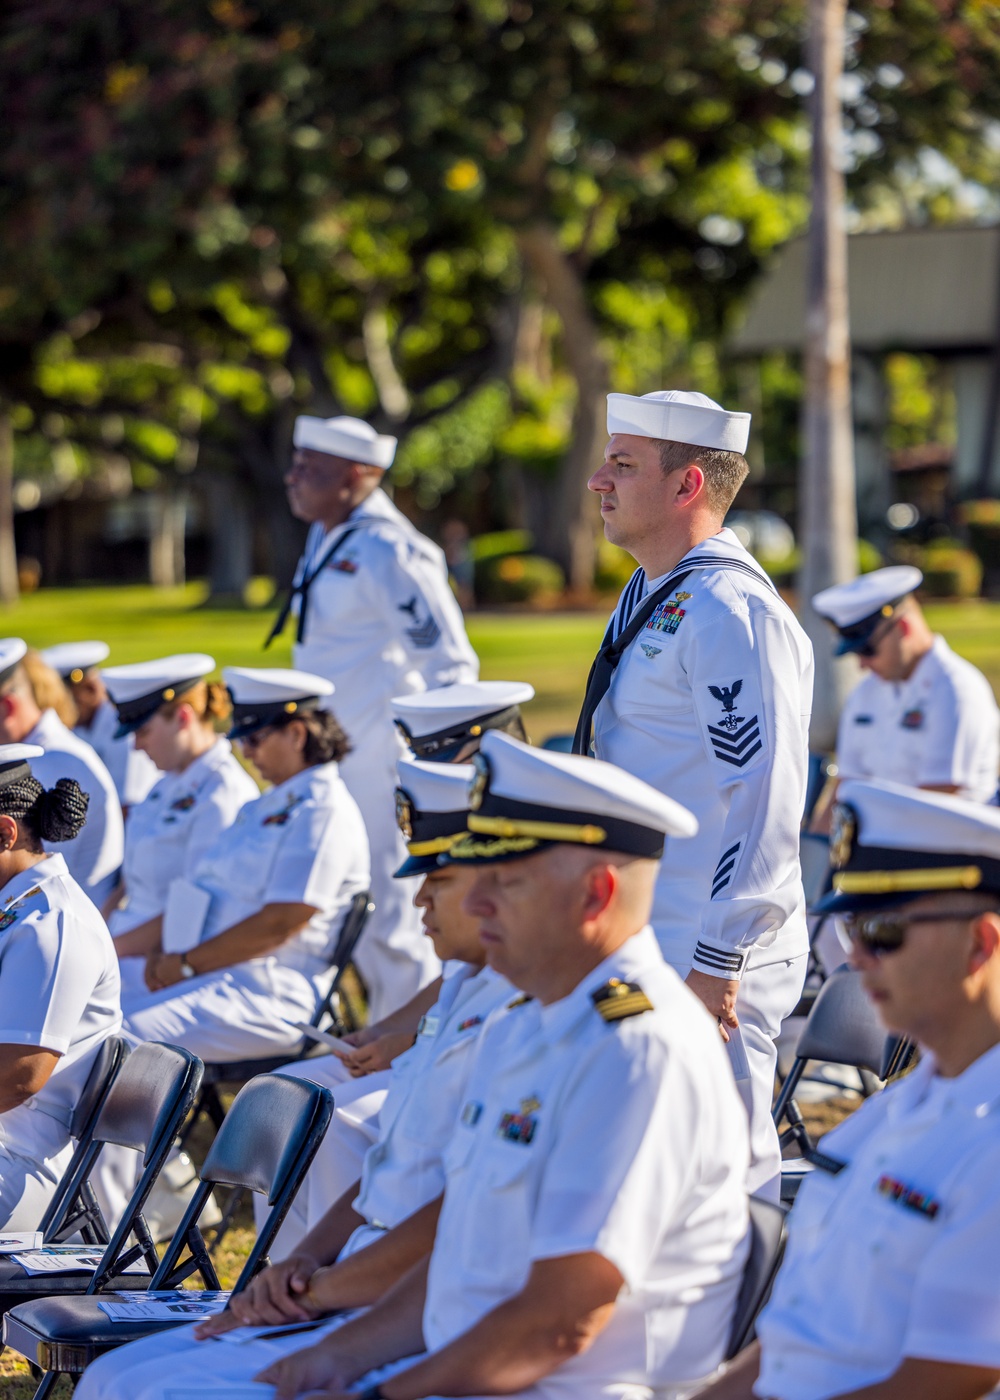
x=376, y=616
x=922, y=716
x=95, y=857
x=58, y=985
x=78, y=663
x=703, y=687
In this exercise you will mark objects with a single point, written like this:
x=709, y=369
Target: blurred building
x=926, y=291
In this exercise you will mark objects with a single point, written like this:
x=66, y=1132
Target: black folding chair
x=326, y=1017
x=76, y=1211
x=842, y=1029
x=144, y=1106
x=767, y=1242
x=266, y=1144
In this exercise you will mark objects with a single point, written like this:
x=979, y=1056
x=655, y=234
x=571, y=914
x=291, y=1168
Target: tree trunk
x=9, y=591
x=828, y=511
x=166, y=539
x=231, y=546
x=571, y=537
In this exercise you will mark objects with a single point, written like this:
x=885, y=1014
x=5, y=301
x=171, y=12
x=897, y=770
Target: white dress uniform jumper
x=59, y=992
x=710, y=702
x=376, y=616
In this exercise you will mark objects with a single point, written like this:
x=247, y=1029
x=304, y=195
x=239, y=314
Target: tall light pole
x=828, y=523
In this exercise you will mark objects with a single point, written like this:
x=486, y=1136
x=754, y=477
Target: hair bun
x=62, y=810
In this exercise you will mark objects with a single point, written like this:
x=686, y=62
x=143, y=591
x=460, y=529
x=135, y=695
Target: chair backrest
x=843, y=1027
x=150, y=1098
x=767, y=1235
x=142, y=1105
x=68, y=1211
x=266, y=1143
x=351, y=929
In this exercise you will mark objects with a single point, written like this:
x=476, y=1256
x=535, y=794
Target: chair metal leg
x=46, y=1385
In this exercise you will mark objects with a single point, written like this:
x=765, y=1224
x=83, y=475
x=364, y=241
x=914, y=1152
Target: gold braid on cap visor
x=954, y=877
x=540, y=831
x=435, y=846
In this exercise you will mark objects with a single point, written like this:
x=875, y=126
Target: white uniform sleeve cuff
x=719, y=960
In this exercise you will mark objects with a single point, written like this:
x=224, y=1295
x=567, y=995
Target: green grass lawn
x=552, y=650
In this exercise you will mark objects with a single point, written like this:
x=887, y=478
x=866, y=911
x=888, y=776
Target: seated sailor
x=171, y=711
x=888, y=1287
x=271, y=891
x=58, y=985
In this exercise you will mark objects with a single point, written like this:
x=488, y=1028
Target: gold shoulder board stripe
x=951, y=877
x=617, y=1000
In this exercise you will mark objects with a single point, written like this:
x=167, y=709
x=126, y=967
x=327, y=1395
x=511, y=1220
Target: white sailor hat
x=890, y=843
x=432, y=805
x=523, y=800
x=12, y=652
x=269, y=695
x=74, y=659
x=351, y=438
x=437, y=724
x=857, y=608
x=14, y=762
x=674, y=415
x=137, y=691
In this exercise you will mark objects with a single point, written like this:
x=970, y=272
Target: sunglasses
x=878, y=934
x=870, y=648
x=257, y=736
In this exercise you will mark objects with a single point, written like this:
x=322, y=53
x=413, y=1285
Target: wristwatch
x=186, y=969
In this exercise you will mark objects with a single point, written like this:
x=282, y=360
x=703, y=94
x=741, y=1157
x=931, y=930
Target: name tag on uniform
x=184, y=916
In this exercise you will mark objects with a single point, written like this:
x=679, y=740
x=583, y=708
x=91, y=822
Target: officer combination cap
x=857, y=608
x=437, y=724
x=432, y=805
x=14, y=762
x=13, y=650
x=676, y=415
x=73, y=660
x=138, y=690
x=890, y=843
x=351, y=438
x=523, y=800
x=267, y=695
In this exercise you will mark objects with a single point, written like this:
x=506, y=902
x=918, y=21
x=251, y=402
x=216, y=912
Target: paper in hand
x=338, y=1047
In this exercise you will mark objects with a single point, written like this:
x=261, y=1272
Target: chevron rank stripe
x=739, y=747
x=724, y=869
x=424, y=635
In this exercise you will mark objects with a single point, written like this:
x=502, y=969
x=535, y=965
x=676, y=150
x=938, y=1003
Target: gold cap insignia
x=291, y=707
x=76, y=675
x=169, y=693
x=404, y=814
x=843, y=830
x=480, y=782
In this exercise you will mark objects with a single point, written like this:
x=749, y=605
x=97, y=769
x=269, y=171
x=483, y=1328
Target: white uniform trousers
x=768, y=994
x=34, y=1153
x=340, y=1156
x=394, y=956
x=173, y=1362
x=235, y=1014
